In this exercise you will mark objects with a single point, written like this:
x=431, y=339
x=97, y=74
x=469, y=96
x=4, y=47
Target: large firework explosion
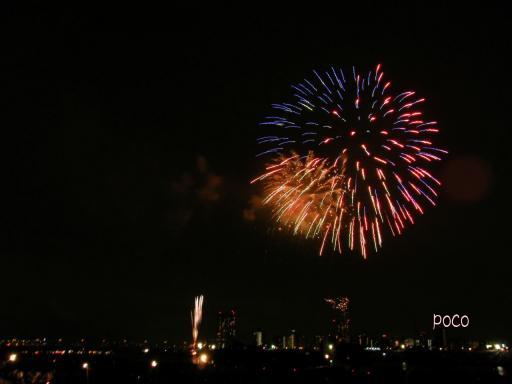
x=347, y=159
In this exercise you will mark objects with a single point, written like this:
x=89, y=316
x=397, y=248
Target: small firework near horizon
x=348, y=160
x=196, y=316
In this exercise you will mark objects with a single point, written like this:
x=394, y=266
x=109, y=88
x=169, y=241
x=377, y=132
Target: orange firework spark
x=307, y=195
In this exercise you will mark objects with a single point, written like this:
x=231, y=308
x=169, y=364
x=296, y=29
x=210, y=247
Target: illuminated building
x=363, y=340
x=318, y=342
x=258, y=338
x=291, y=340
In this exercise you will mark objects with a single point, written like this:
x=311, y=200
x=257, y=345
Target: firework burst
x=348, y=160
x=339, y=303
x=196, y=316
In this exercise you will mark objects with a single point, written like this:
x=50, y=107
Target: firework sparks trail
x=196, y=316
x=339, y=304
x=348, y=160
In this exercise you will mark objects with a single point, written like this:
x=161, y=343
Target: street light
x=203, y=358
x=13, y=357
x=85, y=367
x=154, y=364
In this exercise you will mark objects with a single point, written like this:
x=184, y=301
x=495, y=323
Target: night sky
x=128, y=144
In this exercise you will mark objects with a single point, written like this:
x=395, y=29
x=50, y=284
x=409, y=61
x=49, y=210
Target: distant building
x=409, y=343
x=422, y=341
x=363, y=340
x=258, y=338
x=226, y=328
x=291, y=340
x=318, y=342
x=384, y=341
x=439, y=339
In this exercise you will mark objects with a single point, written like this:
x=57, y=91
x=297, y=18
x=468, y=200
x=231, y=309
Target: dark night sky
x=128, y=140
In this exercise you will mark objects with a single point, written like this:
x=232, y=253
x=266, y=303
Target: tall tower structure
x=341, y=318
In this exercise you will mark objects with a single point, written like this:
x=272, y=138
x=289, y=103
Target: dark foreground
x=254, y=366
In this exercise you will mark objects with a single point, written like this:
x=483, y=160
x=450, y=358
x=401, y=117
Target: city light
x=203, y=358
x=496, y=347
x=146, y=350
x=372, y=349
x=200, y=345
